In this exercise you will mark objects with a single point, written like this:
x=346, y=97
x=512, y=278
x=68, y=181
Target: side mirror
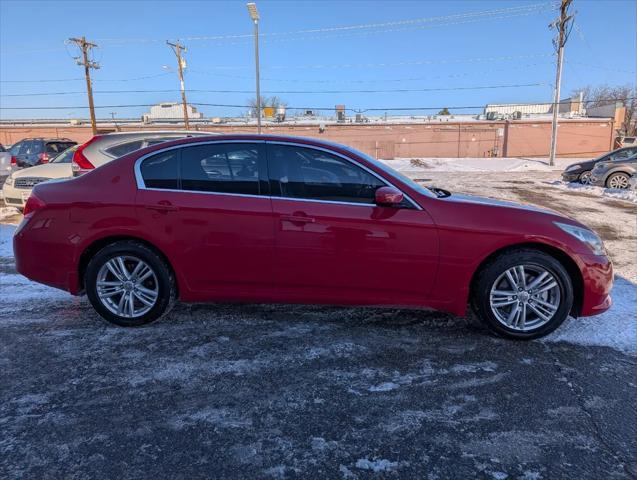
x=389, y=197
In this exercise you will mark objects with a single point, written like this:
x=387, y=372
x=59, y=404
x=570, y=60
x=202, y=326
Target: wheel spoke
x=122, y=267
x=113, y=267
x=538, y=280
x=521, y=276
x=512, y=281
x=549, y=286
x=149, y=302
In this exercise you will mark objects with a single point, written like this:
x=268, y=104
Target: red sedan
x=247, y=218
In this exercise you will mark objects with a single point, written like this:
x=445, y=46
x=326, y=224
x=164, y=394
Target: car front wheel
x=523, y=294
x=618, y=180
x=129, y=284
x=585, y=178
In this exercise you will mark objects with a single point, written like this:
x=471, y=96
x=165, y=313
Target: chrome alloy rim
x=127, y=286
x=585, y=178
x=618, y=181
x=525, y=297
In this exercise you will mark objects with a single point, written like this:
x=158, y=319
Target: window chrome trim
x=142, y=186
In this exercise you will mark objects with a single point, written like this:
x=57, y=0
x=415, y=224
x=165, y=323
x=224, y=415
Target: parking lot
x=256, y=391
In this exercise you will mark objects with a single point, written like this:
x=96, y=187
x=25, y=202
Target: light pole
x=254, y=15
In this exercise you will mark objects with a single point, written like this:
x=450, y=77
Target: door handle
x=162, y=207
x=297, y=219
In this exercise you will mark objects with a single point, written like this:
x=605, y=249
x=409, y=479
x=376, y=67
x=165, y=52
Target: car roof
x=48, y=139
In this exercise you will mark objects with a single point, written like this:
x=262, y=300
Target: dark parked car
x=581, y=171
x=614, y=174
x=260, y=218
x=36, y=151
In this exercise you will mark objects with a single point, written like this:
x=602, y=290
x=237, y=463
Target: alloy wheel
x=619, y=180
x=127, y=286
x=525, y=297
x=585, y=178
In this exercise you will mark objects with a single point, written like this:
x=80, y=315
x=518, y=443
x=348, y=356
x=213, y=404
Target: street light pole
x=254, y=15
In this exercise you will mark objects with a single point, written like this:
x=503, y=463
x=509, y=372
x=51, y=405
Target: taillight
x=14, y=161
x=33, y=203
x=43, y=158
x=80, y=164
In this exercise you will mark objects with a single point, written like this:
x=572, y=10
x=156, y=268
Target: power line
x=358, y=110
x=291, y=92
x=366, y=26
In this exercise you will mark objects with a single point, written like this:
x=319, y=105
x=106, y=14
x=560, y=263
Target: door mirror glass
x=389, y=197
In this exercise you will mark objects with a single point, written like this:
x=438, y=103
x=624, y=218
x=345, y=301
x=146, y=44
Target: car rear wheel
x=585, y=178
x=618, y=180
x=523, y=294
x=129, y=284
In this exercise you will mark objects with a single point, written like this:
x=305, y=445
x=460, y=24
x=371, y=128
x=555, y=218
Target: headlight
x=9, y=180
x=573, y=167
x=586, y=236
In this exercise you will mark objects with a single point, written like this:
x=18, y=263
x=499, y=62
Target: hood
x=475, y=200
x=48, y=170
x=584, y=165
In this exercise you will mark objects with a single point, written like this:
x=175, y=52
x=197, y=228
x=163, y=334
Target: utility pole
x=85, y=47
x=254, y=16
x=181, y=63
x=561, y=24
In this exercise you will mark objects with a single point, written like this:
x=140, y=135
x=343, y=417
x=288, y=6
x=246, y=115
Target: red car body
x=244, y=248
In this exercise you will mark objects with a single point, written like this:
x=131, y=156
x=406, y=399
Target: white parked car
x=18, y=185
x=633, y=181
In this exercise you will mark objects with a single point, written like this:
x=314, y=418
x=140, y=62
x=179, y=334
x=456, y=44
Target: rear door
x=211, y=203
x=334, y=244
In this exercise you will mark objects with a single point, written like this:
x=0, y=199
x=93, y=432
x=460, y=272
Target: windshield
x=386, y=168
x=66, y=156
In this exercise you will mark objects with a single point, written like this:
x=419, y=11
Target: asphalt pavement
x=254, y=391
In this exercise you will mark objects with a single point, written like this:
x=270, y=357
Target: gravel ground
x=260, y=391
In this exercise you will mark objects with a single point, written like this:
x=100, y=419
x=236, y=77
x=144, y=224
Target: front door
x=334, y=245
x=218, y=215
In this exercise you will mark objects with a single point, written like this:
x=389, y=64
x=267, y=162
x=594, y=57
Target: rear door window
x=222, y=168
x=162, y=170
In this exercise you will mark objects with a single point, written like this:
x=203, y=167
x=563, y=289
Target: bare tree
x=276, y=102
x=600, y=95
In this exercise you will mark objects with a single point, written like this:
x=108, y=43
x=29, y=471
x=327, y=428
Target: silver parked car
x=102, y=149
x=615, y=174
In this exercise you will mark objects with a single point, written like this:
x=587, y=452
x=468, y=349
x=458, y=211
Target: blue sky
x=448, y=56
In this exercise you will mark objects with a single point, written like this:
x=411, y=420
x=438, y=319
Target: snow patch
x=472, y=164
x=6, y=212
x=378, y=465
x=616, y=328
x=6, y=240
x=626, y=195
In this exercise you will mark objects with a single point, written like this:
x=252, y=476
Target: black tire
x=165, y=282
x=619, y=175
x=489, y=274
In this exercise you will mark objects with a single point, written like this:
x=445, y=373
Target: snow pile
x=6, y=240
x=616, y=328
x=627, y=195
x=478, y=164
x=6, y=212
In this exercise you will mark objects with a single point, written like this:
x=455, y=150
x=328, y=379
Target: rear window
x=162, y=170
x=124, y=148
x=56, y=148
x=66, y=156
